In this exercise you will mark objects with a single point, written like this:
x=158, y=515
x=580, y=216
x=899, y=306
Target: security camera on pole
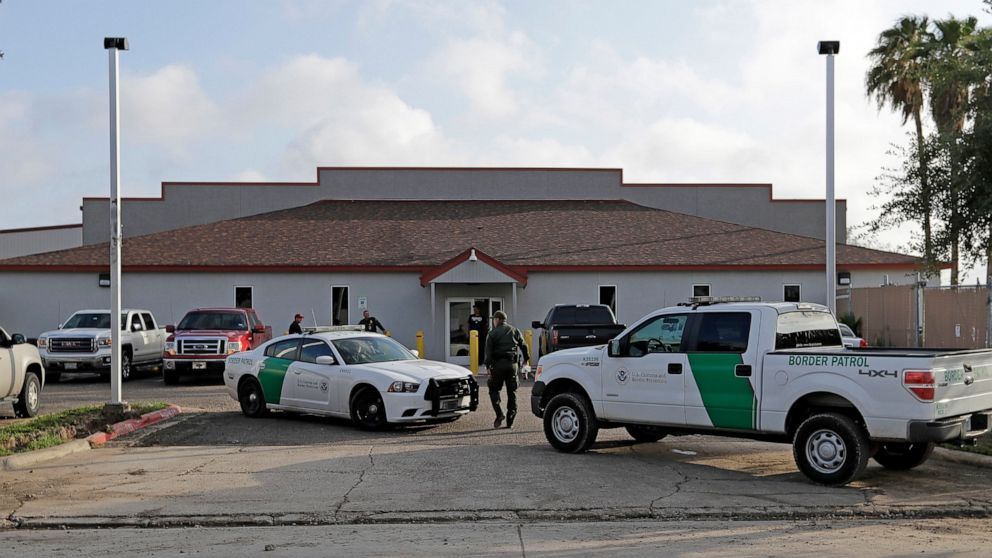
x=830, y=48
x=116, y=407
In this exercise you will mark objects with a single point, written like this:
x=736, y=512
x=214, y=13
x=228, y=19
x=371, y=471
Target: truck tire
x=170, y=377
x=125, y=364
x=569, y=424
x=252, y=399
x=903, y=456
x=29, y=400
x=645, y=434
x=830, y=449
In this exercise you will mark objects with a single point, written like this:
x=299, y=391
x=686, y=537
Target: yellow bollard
x=420, y=344
x=473, y=351
x=529, y=338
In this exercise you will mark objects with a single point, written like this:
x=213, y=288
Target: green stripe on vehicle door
x=271, y=375
x=728, y=399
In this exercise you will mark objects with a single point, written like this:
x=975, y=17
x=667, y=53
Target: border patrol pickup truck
x=772, y=371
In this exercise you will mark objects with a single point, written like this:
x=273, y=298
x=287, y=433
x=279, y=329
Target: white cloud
x=249, y=175
x=167, y=108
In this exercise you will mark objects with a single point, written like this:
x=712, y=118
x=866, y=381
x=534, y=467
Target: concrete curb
x=31, y=458
x=963, y=457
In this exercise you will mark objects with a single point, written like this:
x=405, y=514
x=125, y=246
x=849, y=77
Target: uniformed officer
x=503, y=345
x=370, y=323
x=295, y=326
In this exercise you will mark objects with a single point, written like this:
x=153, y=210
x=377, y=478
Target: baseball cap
x=298, y=316
x=500, y=314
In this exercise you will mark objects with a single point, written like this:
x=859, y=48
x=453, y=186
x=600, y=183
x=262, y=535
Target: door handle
x=742, y=370
x=674, y=367
x=297, y=372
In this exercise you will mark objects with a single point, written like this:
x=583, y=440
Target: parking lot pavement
x=219, y=468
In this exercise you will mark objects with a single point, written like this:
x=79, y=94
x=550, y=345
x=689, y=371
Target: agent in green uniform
x=504, y=344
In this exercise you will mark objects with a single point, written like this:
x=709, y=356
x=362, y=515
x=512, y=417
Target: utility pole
x=830, y=48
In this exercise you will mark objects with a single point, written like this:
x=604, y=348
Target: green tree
x=895, y=79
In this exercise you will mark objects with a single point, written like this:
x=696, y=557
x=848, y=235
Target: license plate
x=199, y=365
x=449, y=404
x=70, y=366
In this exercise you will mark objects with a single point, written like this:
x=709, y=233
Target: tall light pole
x=830, y=48
x=114, y=45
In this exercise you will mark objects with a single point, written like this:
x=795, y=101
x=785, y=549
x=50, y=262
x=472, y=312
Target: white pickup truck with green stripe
x=774, y=371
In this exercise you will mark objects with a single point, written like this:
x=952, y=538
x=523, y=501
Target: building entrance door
x=458, y=323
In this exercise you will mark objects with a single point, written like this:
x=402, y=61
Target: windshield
x=806, y=329
x=95, y=320
x=570, y=315
x=214, y=320
x=363, y=350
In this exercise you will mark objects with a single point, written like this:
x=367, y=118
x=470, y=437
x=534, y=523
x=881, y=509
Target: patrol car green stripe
x=271, y=375
x=728, y=399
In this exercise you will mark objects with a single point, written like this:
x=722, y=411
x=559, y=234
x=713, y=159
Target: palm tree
x=896, y=79
x=950, y=87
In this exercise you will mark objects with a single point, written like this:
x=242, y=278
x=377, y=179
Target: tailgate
x=964, y=382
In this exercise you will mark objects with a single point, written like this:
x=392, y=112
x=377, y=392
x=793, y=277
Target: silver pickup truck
x=21, y=374
x=82, y=343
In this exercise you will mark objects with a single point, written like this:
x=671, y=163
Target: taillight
x=863, y=344
x=554, y=338
x=920, y=383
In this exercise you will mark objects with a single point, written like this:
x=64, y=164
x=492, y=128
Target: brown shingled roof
x=530, y=235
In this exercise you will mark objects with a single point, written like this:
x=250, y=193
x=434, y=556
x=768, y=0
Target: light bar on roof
x=716, y=299
x=325, y=329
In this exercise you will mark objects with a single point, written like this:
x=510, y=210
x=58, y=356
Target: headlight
x=42, y=342
x=403, y=387
x=233, y=347
x=103, y=342
x=170, y=348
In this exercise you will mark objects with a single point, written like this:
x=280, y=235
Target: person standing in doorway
x=295, y=326
x=370, y=323
x=477, y=322
x=504, y=344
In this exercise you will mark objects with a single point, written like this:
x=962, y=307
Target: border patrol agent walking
x=502, y=346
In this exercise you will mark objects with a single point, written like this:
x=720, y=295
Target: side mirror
x=18, y=339
x=170, y=328
x=415, y=352
x=60, y=326
x=614, y=348
x=258, y=329
x=537, y=325
x=325, y=359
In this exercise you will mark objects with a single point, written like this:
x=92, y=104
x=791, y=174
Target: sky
x=669, y=91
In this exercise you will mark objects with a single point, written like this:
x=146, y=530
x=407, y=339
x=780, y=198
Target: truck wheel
x=170, y=377
x=252, y=399
x=901, y=457
x=569, y=423
x=830, y=449
x=646, y=434
x=29, y=400
x=367, y=410
x=125, y=366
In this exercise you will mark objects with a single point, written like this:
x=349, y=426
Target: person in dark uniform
x=503, y=346
x=295, y=326
x=369, y=323
x=477, y=322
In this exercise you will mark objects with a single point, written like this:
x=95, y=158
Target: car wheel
x=29, y=400
x=125, y=366
x=569, y=423
x=646, y=434
x=170, y=377
x=252, y=399
x=903, y=456
x=830, y=449
x=52, y=377
x=367, y=409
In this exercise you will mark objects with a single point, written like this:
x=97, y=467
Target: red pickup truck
x=205, y=337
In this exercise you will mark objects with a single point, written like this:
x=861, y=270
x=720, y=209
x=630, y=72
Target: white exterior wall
x=16, y=243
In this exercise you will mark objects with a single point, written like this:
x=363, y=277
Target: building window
x=608, y=296
x=791, y=293
x=243, y=297
x=700, y=290
x=339, y=305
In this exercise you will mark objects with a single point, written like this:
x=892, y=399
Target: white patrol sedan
x=367, y=377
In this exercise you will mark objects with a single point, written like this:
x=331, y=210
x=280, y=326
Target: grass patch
x=54, y=429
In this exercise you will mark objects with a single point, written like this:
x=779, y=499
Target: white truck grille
x=200, y=346
x=72, y=345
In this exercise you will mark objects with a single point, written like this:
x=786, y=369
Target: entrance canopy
x=473, y=266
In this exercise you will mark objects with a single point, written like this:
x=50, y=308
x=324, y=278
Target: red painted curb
x=130, y=425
